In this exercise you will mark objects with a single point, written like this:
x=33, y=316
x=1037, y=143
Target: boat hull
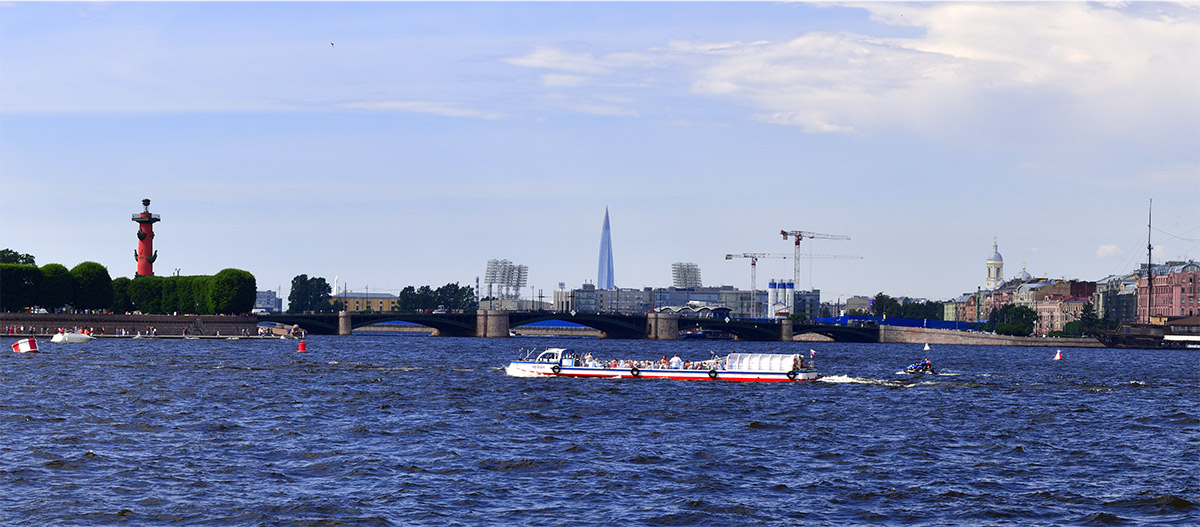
x=542, y=369
x=71, y=338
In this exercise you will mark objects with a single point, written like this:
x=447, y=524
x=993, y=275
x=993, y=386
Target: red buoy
x=301, y=350
x=25, y=346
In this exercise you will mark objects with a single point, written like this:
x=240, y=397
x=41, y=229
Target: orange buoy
x=25, y=346
x=1058, y=355
x=302, y=349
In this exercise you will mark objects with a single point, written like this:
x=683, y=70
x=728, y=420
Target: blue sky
x=432, y=137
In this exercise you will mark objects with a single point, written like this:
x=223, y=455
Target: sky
x=395, y=144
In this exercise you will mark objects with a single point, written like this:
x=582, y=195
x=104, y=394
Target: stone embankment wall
x=167, y=325
x=901, y=335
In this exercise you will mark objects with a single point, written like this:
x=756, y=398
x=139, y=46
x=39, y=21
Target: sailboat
x=1146, y=336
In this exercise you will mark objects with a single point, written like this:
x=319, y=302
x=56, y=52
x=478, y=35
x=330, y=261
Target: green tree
x=233, y=291
x=146, y=293
x=19, y=286
x=884, y=305
x=426, y=299
x=10, y=256
x=923, y=310
x=1013, y=320
x=1089, y=320
x=308, y=294
x=196, y=295
x=93, y=286
x=1073, y=328
x=169, y=301
x=456, y=297
x=56, y=288
x=121, y=302
x=406, y=301
x=798, y=318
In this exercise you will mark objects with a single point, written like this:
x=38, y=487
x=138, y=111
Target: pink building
x=1174, y=295
x=1055, y=311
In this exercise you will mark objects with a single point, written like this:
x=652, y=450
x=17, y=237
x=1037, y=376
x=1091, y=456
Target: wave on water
x=846, y=379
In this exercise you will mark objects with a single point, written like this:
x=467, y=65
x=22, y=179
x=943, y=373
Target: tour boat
x=745, y=367
x=71, y=338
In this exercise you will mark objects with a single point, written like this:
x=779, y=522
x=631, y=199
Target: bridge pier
x=344, y=326
x=662, y=326
x=491, y=323
x=785, y=330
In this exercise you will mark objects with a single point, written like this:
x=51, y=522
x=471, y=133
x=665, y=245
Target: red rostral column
x=145, y=253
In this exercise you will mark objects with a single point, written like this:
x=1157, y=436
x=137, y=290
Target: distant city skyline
x=435, y=137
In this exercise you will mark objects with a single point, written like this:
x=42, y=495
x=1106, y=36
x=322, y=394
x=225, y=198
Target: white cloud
x=427, y=107
x=1101, y=69
x=559, y=80
x=1106, y=250
x=556, y=59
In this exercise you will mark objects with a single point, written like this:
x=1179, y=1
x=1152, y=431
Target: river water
x=414, y=430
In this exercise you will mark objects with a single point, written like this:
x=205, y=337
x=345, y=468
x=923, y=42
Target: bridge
x=495, y=323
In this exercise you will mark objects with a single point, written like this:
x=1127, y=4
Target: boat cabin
x=560, y=356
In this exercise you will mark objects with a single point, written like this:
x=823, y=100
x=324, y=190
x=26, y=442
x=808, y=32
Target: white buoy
x=1058, y=355
x=25, y=346
x=926, y=346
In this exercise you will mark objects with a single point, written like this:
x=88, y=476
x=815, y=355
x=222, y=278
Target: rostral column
x=145, y=253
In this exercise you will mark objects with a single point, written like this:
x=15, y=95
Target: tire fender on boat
x=712, y=374
x=635, y=371
x=792, y=375
x=555, y=369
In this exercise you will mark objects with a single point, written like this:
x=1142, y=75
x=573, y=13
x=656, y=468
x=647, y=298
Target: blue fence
x=899, y=322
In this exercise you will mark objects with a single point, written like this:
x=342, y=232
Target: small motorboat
x=921, y=367
x=71, y=338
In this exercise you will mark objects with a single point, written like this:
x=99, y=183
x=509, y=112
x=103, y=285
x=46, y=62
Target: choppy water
x=394, y=430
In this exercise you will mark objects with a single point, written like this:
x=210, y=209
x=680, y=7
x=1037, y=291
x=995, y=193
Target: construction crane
x=754, y=265
x=801, y=235
x=753, y=273
x=753, y=257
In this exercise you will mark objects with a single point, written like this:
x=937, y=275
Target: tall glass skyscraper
x=604, y=276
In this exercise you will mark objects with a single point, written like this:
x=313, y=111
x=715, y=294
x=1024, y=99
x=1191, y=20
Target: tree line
x=885, y=306
x=88, y=287
x=314, y=294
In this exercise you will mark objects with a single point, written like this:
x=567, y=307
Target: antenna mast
x=1149, y=263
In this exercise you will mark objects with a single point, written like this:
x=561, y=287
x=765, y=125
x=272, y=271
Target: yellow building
x=356, y=301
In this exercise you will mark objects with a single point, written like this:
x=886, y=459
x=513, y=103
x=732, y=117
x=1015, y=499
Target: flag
x=812, y=352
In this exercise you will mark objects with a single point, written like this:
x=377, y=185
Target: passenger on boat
x=676, y=362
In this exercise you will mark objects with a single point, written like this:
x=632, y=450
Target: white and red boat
x=745, y=367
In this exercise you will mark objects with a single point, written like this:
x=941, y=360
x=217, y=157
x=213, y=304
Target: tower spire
x=995, y=267
x=604, y=275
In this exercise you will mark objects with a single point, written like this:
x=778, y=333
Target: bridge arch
x=612, y=326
